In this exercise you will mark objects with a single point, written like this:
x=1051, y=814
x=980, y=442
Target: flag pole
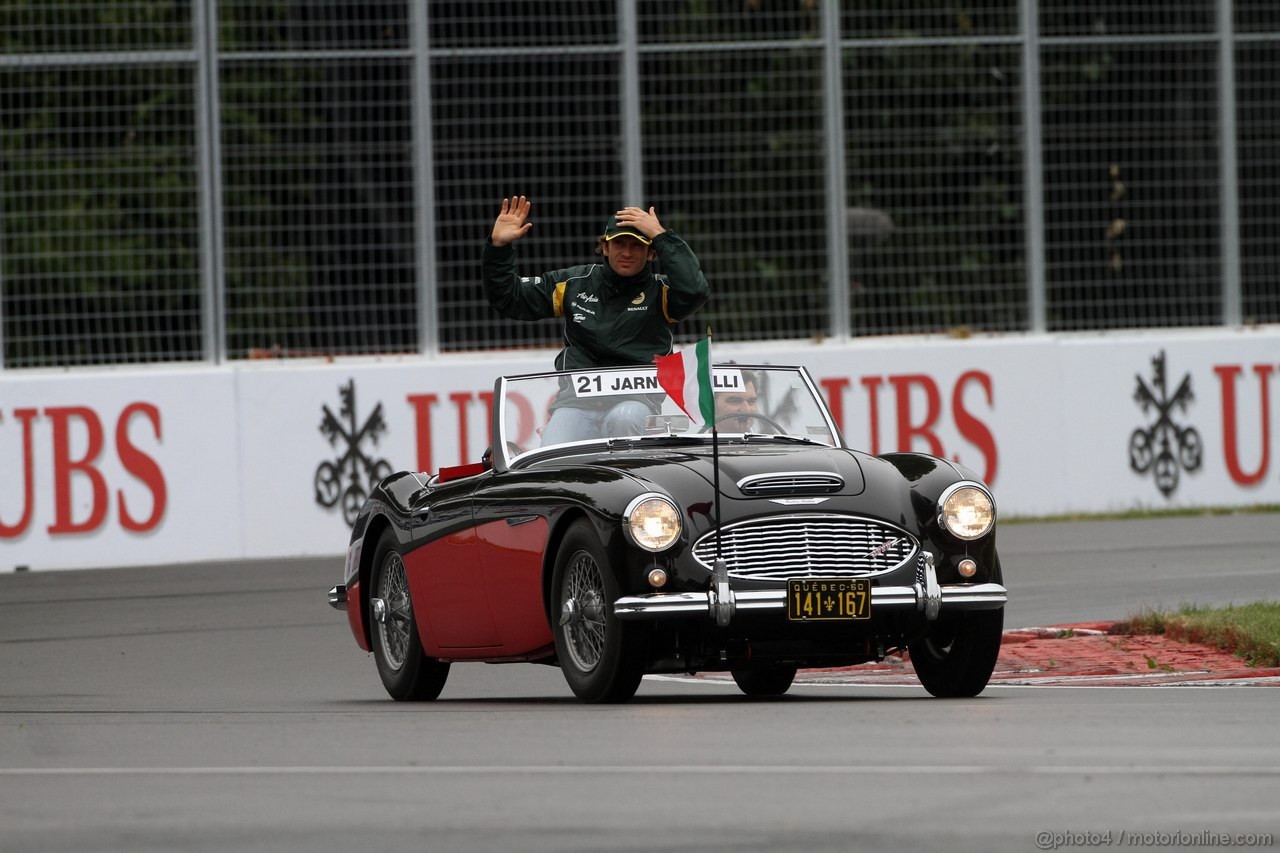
x=675, y=378
x=721, y=597
x=715, y=452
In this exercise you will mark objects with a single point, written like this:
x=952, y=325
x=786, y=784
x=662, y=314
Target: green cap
x=613, y=229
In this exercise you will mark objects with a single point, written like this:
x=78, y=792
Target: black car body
x=613, y=557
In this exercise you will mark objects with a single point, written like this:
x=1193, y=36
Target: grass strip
x=1141, y=514
x=1249, y=631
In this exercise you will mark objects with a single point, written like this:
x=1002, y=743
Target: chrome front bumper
x=981, y=596
x=721, y=602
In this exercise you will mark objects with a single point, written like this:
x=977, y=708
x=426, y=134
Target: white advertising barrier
x=118, y=468
x=1076, y=424
x=138, y=467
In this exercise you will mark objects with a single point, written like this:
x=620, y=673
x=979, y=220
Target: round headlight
x=652, y=522
x=967, y=512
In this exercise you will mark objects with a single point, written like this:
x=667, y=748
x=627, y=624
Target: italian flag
x=686, y=377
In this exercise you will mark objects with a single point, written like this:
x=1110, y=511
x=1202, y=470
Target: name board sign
x=630, y=382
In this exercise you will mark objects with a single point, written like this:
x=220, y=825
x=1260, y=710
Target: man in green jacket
x=615, y=313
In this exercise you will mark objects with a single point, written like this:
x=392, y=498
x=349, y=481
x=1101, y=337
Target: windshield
x=627, y=404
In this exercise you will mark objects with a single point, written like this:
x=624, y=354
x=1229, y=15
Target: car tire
x=602, y=657
x=957, y=656
x=771, y=681
x=407, y=672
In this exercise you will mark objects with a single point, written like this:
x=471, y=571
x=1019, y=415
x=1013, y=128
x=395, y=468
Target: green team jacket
x=609, y=321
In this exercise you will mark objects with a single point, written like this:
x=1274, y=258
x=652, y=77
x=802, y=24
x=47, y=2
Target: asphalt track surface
x=225, y=707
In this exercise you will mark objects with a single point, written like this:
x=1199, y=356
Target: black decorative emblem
x=1164, y=445
x=363, y=472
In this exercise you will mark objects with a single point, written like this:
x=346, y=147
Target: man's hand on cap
x=645, y=222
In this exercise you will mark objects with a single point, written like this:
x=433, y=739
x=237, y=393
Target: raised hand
x=511, y=223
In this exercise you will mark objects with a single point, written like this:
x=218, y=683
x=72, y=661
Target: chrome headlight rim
x=635, y=504
x=950, y=492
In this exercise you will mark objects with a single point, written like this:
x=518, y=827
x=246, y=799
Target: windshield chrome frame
x=502, y=462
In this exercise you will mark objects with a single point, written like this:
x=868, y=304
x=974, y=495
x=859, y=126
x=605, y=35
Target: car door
x=512, y=531
x=445, y=578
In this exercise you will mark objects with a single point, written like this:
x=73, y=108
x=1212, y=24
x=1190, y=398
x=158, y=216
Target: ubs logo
x=351, y=475
x=1164, y=446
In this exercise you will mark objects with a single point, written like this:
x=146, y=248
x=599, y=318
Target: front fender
x=928, y=478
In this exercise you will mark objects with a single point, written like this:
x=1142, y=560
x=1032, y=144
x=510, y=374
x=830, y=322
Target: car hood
x=669, y=467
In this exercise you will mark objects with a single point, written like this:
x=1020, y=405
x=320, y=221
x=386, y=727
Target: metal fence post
x=209, y=158
x=1, y=282
x=837, y=204
x=1228, y=191
x=630, y=103
x=424, y=186
x=1033, y=166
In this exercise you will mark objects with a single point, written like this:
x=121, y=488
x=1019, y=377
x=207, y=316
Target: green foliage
x=1146, y=513
x=934, y=144
x=30, y=26
x=100, y=221
x=266, y=129
x=100, y=228
x=99, y=217
x=1250, y=631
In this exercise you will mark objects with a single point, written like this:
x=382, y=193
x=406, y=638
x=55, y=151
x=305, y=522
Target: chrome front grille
x=812, y=545
x=791, y=483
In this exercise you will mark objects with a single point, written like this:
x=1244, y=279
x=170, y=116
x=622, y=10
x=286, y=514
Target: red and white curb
x=1077, y=655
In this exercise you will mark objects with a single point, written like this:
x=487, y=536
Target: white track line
x=662, y=770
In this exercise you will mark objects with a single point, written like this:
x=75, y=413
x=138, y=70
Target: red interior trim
x=457, y=472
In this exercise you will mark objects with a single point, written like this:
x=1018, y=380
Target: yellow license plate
x=830, y=600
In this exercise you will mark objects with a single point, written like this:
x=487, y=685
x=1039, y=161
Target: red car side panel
x=511, y=557
x=355, y=615
x=449, y=602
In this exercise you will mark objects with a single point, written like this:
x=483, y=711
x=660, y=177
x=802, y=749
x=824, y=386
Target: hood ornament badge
x=883, y=548
x=798, y=501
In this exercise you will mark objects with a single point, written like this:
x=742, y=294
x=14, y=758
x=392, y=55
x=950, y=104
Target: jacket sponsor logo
x=1164, y=447
x=578, y=318
x=586, y=297
x=351, y=475
x=537, y=279
x=639, y=300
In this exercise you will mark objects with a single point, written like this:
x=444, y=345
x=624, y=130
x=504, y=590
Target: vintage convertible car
x=614, y=556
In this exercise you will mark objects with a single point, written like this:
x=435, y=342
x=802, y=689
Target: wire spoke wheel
x=584, y=598
x=393, y=632
x=408, y=673
x=602, y=658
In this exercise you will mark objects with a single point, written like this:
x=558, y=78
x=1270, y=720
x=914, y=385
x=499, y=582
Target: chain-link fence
x=227, y=179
